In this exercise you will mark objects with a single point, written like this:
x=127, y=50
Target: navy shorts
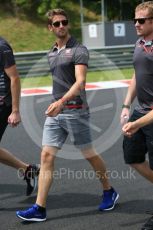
x=5, y=111
x=136, y=147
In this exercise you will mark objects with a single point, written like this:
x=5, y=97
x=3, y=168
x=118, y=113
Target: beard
x=62, y=34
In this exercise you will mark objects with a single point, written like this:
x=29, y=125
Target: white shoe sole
x=32, y=219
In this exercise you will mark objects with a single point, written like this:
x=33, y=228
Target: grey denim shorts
x=56, y=130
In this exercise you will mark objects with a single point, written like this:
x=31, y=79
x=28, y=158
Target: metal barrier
x=111, y=57
x=31, y=64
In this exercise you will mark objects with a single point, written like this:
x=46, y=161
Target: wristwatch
x=125, y=106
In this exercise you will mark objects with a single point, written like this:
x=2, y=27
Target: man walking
x=136, y=146
x=9, y=111
x=67, y=114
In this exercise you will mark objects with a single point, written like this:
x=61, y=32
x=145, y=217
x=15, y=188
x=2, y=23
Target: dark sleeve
x=7, y=56
x=81, y=56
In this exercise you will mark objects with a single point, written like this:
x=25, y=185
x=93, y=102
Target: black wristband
x=125, y=106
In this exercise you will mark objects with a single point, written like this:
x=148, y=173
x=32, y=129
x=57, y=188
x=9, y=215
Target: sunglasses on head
x=58, y=23
x=141, y=20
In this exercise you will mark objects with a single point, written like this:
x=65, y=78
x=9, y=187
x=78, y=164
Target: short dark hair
x=51, y=13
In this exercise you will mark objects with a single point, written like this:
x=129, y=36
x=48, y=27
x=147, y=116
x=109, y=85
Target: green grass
x=108, y=75
x=31, y=82
x=25, y=35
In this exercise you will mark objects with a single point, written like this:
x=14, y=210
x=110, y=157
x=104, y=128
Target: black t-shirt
x=62, y=66
x=6, y=61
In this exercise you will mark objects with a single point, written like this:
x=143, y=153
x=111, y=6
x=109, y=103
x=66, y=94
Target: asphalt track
x=76, y=193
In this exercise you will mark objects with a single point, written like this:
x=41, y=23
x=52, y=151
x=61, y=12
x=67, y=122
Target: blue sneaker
x=32, y=214
x=109, y=200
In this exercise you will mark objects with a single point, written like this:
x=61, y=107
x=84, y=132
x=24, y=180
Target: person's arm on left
x=15, y=86
x=80, y=75
x=131, y=127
